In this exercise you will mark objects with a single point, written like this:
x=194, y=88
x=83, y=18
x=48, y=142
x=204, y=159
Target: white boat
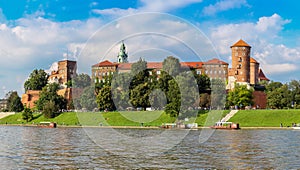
x=296, y=126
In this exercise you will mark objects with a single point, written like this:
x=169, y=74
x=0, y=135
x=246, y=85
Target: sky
x=35, y=34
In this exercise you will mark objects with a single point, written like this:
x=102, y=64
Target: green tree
x=88, y=98
x=240, y=96
x=140, y=86
x=27, y=114
x=218, y=94
x=104, y=99
x=81, y=81
x=37, y=80
x=49, y=93
x=120, y=90
x=50, y=109
x=14, y=102
x=294, y=87
x=279, y=97
x=174, y=99
x=139, y=96
x=203, y=83
x=204, y=100
x=172, y=66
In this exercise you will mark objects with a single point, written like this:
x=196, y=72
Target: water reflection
x=72, y=148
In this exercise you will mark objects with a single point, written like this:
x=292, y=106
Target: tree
x=294, y=87
x=240, y=96
x=104, y=99
x=81, y=81
x=218, y=94
x=174, y=99
x=88, y=98
x=279, y=98
x=27, y=114
x=204, y=100
x=50, y=109
x=37, y=80
x=120, y=90
x=49, y=93
x=139, y=96
x=203, y=83
x=140, y=87
x=172, y=66
x=14, y=102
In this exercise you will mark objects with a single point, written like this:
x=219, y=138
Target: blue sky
x=36, y=34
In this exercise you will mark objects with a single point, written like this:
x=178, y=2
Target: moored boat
x=226, y=125
x=296, y=126
x=47, y=124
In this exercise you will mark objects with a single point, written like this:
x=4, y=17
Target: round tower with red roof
x=241, y=61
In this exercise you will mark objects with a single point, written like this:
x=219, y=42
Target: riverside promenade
x=4, y=114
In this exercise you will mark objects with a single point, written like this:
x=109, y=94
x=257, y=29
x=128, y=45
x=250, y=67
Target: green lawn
x=246, y=118
x=266, y=118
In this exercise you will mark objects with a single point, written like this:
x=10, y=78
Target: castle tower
x=254, y=68
x=123, y=55
x=66, y=70
x=241, y=61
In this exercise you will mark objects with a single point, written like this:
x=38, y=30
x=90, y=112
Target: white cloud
x=224, y=5
x=165, y=5
x=275, y=58
x=280, y=68
x=147, y=6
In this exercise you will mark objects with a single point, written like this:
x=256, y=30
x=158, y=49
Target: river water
x=78, y=148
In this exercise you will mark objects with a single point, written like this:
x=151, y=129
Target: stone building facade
x=245, y=69
x=64, y=73
x=66, y=70
x=214, y=68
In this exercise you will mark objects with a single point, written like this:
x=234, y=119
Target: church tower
x=123, y=55
x=241, y=61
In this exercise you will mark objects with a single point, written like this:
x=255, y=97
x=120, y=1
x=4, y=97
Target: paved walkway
x=229, y=115
x=4, y=114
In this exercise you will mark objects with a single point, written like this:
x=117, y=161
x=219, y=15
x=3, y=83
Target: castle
x=65, y=71
x=245, y=69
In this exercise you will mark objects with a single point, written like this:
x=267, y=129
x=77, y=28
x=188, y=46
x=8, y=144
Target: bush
x=50, y=110
x=27, y=114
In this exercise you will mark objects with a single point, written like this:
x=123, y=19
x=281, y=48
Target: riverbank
x=248, y=119
x=147, y=127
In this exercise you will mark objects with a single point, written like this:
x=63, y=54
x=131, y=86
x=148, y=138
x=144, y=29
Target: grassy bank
x=148, y=118
x=246, y=118
x=266, y=118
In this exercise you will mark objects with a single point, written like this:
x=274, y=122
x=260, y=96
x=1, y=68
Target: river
x=101, y=148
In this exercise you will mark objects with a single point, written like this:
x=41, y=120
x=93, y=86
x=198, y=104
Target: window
x=198, y=71
x=150, y=73
x=240, y=59
x=158, y=72
x=236, y=72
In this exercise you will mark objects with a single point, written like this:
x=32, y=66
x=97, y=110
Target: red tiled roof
x=124, y=66
x=191, y=64
x=215, y=61
x=104, y=64
x=262, y=76
x=154, y=65
x=252, y=60
x=240, y=43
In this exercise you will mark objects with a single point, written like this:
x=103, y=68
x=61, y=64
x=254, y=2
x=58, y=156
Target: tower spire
x=123, y=55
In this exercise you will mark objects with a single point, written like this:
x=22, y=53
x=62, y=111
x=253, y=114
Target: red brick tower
x=241, y=61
